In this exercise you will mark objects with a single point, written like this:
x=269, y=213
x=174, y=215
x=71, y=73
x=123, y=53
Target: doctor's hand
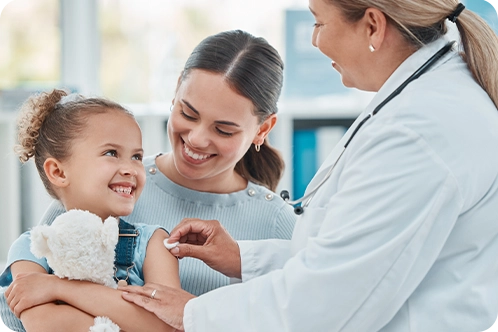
x=208, y=241
x=165, y=302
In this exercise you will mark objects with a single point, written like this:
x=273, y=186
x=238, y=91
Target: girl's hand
x=31, y=289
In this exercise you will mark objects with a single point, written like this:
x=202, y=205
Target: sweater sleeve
x=286, y=220
x=9, y=319
x=54, y=209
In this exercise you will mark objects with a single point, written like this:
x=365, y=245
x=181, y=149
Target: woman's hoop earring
x=257, y=147
x=371, y=48
x=171, y=108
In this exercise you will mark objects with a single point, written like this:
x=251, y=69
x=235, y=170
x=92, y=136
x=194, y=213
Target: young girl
x=88, y=153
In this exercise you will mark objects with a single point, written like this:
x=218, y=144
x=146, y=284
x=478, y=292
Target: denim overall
x=125, y=249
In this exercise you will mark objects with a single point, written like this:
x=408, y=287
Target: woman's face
x=345, y=43
x=210, y=129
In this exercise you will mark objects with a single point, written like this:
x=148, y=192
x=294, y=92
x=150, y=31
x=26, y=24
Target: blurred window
x=30, y=39
x=144, y=44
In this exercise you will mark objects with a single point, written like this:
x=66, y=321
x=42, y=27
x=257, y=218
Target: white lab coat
x=404, y=234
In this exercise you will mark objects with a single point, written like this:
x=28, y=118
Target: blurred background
x=133, y=52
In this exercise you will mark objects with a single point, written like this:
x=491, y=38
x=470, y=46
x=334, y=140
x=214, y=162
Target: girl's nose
x=129, y=170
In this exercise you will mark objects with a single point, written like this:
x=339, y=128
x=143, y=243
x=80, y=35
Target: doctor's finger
x=190, y=229
x=142, y=301
x=194, y=251
x=133, y=289
x=193, y=231
x=157, y=307
x=145, y=290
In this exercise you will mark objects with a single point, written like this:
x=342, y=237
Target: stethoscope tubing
x=421, y=70
x=313, y=192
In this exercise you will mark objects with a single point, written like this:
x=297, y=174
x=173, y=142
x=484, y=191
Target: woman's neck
x=219, y=184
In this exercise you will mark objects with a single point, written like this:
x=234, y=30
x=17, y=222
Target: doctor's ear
x=376, y=25
x=54, y=170
x=265, y=128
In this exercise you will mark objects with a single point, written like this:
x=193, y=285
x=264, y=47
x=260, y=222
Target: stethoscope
x=305, y=200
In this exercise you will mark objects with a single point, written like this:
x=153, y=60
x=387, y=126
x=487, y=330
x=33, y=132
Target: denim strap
x=125, y=249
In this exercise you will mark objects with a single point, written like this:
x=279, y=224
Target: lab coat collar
x=408, y=67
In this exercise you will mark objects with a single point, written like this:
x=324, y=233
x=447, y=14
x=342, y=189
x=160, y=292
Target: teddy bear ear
x=39, y=240
x=110, y=232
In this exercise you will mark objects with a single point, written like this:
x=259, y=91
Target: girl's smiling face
x=104, y=173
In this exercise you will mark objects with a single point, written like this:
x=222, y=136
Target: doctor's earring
x=371, y=48
x=257, y=147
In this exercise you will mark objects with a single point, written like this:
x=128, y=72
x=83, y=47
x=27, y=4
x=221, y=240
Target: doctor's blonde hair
x=423, y=21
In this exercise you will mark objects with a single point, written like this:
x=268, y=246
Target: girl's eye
x=186, y=116
x=112, y=153
x=138, y=156
x=224, y=133
x=317, y=25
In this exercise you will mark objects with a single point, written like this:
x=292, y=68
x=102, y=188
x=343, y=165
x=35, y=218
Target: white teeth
x=126, y=190
x=194, y=155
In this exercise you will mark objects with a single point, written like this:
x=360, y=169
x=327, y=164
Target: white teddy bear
x=78, y=245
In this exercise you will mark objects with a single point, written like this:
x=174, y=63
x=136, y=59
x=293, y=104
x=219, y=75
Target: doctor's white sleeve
x=388, y=216
x=262, y=256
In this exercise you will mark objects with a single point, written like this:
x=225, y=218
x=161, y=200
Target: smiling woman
x=235, y=80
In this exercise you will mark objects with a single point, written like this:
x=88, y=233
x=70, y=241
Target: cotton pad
x=170, y=246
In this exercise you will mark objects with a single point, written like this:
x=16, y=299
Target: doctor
x=401, y=232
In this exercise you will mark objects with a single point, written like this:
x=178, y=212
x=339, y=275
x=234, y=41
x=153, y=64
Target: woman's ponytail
x=264, y=167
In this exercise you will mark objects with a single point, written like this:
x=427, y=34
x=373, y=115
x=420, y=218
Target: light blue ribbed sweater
x=251, y=214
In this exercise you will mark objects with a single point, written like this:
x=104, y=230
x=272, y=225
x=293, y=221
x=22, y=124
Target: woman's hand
x=208, y=241
x=165, y=302
x=29, y=290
